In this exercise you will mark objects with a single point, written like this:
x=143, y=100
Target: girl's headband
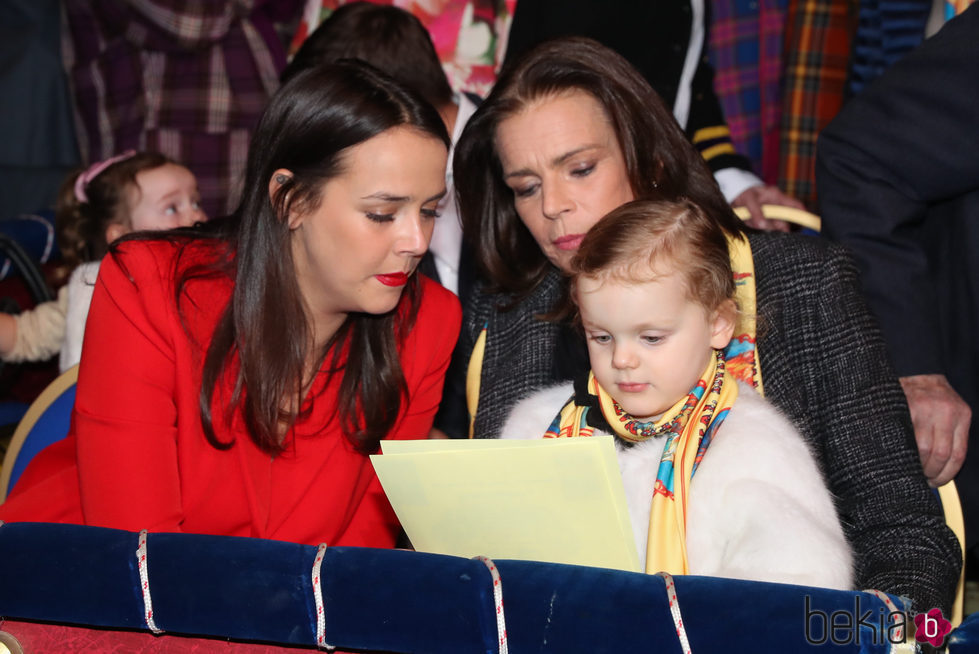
x=94, y=171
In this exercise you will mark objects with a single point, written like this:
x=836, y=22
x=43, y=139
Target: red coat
x=136, y=457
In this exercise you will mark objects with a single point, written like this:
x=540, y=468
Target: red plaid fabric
x=746, y=51
x=818, y=36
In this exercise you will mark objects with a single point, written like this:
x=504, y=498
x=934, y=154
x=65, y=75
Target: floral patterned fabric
x=469, y=35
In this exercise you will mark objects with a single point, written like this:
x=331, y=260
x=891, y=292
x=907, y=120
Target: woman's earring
x=655, y=184
x=281, y=179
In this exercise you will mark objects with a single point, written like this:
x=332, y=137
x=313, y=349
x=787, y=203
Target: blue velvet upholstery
x=51, y=426
x=397, y=601
x=965, y=639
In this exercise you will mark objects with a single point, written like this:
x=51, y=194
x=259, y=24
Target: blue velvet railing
x=402, y=601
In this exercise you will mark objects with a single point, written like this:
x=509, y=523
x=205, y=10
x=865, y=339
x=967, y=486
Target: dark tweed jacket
x=823, y=364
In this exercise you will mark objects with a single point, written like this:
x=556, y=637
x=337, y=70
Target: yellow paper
x=559, y=500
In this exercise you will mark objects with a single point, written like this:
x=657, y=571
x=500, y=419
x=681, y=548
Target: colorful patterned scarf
x=740, y=355
x=687, y=426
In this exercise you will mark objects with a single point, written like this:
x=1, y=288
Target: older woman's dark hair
x=661, y=163
x=307, y=128
x=387, y=37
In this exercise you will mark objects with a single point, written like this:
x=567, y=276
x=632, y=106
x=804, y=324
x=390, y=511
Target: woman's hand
x=752, y=198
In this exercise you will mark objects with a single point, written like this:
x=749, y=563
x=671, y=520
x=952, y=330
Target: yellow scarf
x=687, y=426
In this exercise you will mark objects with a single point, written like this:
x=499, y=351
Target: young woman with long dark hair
x=235, y=378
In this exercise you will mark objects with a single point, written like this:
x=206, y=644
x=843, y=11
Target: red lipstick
x=393, y=279
x=569, y=242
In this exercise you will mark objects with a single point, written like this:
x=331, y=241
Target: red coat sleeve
x=125, y=414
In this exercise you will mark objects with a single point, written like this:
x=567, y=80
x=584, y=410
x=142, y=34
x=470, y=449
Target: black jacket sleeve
x=905, y=146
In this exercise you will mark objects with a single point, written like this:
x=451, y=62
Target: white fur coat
x=758, y=509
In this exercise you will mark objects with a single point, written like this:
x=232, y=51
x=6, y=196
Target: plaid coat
x=188, y=79
x=815, y=62
x=824, y=365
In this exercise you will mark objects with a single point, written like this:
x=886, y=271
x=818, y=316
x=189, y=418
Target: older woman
x=573, y=131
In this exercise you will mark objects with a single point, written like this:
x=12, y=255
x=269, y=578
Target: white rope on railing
x=144, y=578
x=681, y=631
x=895, y=612
x=318, y=598
x=497, y=600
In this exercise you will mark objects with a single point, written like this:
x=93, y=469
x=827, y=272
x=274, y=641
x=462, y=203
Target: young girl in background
x=129, y=192
x=717, y=481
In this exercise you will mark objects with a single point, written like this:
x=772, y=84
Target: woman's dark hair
x=385, y=36
x=307, y=128
x=660, y=161
x=81, y=225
